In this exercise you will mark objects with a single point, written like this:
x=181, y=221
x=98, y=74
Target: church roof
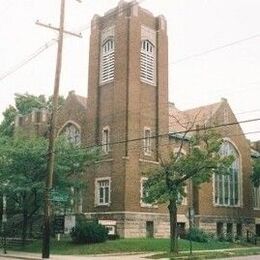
x=82, y=100
x=181, y=120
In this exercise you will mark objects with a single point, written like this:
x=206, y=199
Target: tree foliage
x=24, y=104
x=7, y=125
x=166, y=184
x=23, y=168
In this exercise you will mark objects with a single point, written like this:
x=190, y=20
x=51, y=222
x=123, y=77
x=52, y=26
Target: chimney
x=72, y=93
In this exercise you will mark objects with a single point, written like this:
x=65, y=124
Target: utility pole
x=4, y=220
x=52, y=133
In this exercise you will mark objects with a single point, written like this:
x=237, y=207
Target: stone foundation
x=137, y=224
x=230, y=225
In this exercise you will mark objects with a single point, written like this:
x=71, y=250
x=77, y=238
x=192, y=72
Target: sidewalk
x=116, y=256
x=32, y=256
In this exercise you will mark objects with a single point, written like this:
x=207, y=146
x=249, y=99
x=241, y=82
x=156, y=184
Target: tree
x=24, y=104
x=23, y=169
x=7, y=125
x=166, y=184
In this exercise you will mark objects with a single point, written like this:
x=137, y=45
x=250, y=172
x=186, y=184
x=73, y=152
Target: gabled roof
x=182, y=120
x=82, y=100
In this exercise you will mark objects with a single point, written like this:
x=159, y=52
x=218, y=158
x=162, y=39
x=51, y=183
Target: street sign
x=58, y=197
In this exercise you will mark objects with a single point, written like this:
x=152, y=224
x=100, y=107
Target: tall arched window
x=107, y=60
x=72, y=133
x=147, y=62
x=227, y=187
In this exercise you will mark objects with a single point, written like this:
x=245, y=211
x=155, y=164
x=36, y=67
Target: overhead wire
x=119, y=116
x=52, y=42
x=28, y=59
x=174, y=133
x=217, y=48
x=37, y=53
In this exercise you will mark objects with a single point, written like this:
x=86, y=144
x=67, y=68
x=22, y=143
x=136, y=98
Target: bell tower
x=127, y=103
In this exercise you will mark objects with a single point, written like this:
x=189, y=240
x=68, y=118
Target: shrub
x=113, y=237
x=88, y=232
x=198, y=235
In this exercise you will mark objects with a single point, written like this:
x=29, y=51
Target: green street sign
x=58, y=197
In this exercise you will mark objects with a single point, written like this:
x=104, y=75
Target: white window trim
x=184, y=200
x=256, y=203
x=106, y=147
x=110, y=57
x=145, y=148
x=240, y=181
x=148, y=56
x=97, y=201
x=142, y=203
x=79, y=202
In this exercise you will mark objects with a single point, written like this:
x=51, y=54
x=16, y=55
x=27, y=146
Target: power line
x=166, y=144
x=175, y=132
x=121, y=115
x=220, y=47
x=48, y=44
x=28, y=59
x=53, y=41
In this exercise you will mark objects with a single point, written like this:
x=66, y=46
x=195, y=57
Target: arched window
x=227, y=187
x=147, y=62
x=107, y=60
x=72, y=133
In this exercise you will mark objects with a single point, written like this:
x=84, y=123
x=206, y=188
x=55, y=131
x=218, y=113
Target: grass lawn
x=123, y=245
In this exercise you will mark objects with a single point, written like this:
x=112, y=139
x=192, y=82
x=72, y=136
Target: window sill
x=105, y=160
x=102, y=83
x=226, y=206
x=149, y=161
x=151, y=206
x=147, y=82
x=103, y=205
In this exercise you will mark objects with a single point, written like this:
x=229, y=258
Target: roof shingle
x=182, y=120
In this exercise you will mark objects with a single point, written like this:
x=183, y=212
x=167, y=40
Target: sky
x=214, y=51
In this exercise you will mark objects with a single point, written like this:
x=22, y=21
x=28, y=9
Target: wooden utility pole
x=52, y=133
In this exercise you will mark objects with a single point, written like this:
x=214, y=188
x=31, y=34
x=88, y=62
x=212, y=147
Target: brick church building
x=128, y=114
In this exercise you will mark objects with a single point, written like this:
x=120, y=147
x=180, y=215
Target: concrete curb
x=32, y=256
x=6, y=256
